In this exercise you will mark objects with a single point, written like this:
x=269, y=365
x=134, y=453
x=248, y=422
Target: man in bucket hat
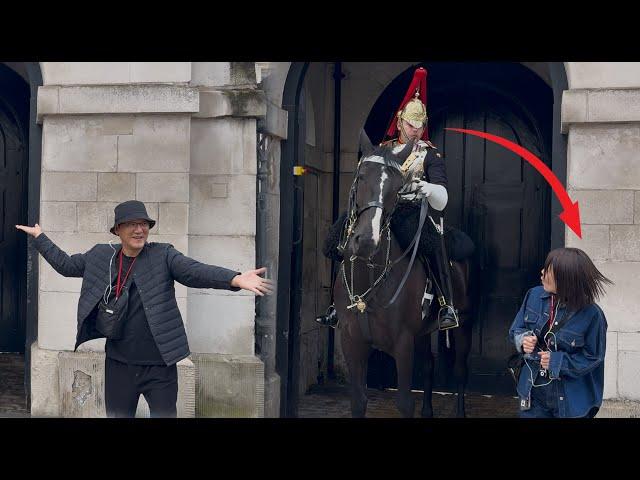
x=142, y=357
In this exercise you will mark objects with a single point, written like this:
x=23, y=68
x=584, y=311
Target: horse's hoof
x=359, y=410
x=359, y=413
x=406, y=408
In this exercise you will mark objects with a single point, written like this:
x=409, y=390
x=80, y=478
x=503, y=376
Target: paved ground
x=12, y=395
x=328, y=401
x=333, y=402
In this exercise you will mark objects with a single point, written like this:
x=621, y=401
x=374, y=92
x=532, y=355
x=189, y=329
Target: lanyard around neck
x=119, y=286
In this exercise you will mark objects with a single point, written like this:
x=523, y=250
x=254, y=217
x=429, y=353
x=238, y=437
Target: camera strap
x=119, y=286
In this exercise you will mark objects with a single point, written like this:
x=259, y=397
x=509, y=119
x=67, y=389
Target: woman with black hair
x=562, y=334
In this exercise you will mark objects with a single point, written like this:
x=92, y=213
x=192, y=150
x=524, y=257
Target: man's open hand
x=251, y=280
x=34, y=231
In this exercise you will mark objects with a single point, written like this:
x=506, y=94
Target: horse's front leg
x=427, y=406
x=404, y=365
x=356, y=354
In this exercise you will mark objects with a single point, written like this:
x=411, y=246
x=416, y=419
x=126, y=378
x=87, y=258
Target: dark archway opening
x=20, y=148
x=494, y=196
x=503, y=204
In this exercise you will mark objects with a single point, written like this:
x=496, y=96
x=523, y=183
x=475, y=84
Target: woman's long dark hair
x=578, y=282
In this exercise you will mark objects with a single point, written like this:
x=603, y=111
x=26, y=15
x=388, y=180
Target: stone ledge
x=232, y=103
x=275, y=122
x=619, y=409
x=78, y=386
x=81, y=384
x=45, y=391
x=229, y=386
x=584, y=106
x=116, y=99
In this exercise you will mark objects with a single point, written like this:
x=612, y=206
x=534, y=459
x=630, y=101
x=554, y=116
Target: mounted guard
x=425, y=176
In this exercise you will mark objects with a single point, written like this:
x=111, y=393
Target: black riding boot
x=447, y=315
x=329, y=319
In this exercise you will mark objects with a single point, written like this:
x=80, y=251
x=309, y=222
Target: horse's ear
x=366, y=147
x=404, y=153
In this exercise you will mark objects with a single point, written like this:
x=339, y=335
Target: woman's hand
x=529, y=343
x=250, y=280
x=34, y=231
x=545, y=358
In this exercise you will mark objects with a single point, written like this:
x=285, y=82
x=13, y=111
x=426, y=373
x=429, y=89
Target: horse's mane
x=386, y=152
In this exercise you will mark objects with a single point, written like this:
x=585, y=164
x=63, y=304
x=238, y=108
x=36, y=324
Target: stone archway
x=361, y=87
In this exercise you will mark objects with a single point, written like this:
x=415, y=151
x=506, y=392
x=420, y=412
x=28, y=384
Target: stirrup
x=330, y=318
x=447, y=318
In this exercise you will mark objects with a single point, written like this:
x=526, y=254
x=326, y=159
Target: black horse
x=371, y=275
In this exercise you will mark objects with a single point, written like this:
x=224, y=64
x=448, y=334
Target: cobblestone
x=13, y=401
x=334, y=402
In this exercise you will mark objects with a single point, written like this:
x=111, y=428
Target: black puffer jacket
x=156, y=268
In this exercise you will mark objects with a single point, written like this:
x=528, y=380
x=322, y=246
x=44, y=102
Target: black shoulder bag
x=112, y=315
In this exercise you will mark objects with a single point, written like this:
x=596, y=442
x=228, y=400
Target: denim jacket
x=577, y=352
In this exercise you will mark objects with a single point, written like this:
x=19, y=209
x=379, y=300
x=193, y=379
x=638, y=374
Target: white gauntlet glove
x=423, y=188
x=436, y=194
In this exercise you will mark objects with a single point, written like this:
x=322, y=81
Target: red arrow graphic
x=571, y=212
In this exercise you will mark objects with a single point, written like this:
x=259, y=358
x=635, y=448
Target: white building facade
x=208, y=148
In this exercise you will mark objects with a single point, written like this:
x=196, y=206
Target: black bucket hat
x=128, y=211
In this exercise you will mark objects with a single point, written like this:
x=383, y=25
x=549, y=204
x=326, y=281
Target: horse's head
x=373, y=196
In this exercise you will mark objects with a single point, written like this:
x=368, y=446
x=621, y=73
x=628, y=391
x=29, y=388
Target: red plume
x=420, y=82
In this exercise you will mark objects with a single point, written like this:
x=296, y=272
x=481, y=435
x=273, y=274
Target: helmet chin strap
x=406, y=136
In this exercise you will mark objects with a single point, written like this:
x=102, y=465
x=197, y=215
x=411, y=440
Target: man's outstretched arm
x=195, y=274
x=69, y=266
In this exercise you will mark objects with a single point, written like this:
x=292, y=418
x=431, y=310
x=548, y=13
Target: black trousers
x=124, y=383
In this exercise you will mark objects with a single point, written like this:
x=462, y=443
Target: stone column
x=273, y=130
x=601, y=115
x=221, y=231
x=111, y=132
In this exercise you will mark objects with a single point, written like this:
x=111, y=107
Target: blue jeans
x=544, y=402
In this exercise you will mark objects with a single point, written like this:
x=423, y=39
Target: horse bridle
x=352, y=218
x=354, y=212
